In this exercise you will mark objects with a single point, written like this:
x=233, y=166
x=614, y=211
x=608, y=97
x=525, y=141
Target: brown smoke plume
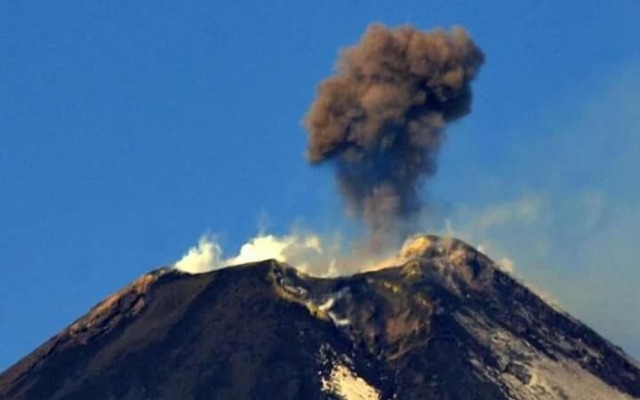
x=380, y=119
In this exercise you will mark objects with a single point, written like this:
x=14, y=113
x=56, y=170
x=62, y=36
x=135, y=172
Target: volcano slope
x=445, y=323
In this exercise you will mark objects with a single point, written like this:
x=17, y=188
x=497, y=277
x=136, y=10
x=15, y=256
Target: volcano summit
x=445, y=323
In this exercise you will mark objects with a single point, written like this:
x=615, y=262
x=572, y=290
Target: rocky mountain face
x=445, y=323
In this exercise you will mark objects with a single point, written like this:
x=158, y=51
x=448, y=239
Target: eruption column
x=380, y=119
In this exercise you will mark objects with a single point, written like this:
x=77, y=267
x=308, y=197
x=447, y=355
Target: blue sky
x=127, y=129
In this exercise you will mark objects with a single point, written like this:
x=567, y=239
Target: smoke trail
x=380, y=119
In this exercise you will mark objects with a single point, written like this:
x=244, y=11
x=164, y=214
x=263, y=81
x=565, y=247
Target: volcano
x=444, y=323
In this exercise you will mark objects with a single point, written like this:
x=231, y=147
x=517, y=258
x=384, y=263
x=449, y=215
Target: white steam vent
x=306, y=251
x=204, y=257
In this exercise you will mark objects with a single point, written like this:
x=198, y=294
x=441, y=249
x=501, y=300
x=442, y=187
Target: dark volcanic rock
x=444, y=324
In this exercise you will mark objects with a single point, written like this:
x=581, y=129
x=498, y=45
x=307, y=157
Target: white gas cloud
x=308, y=252
x=311, y=253
x=203, y=257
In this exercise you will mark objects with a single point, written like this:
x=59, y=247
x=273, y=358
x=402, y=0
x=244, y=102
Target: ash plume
x=380, y=119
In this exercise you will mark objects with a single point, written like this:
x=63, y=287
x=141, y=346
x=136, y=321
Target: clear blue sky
x=129, y=128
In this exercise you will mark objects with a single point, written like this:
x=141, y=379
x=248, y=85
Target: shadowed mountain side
x=446, y=324
x=223, y=335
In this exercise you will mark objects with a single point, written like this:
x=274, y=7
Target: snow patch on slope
x=525, y=373
x=341, y=380
x=347, y=385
